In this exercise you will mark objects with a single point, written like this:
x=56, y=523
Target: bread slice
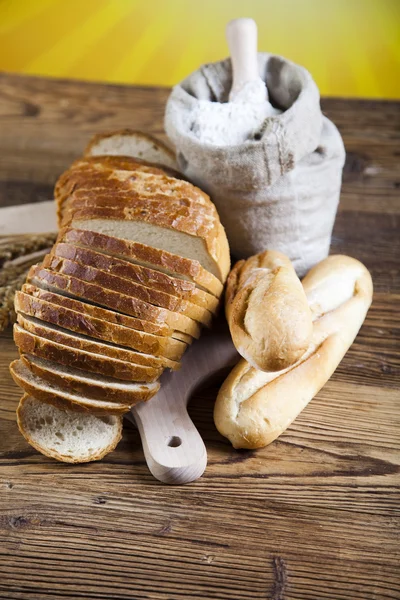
x=104, y=198
x=30, y=343
x=52, y=332
x=206, y=243
x=108, y=316
x=78, y=341
x=42, y=390
x=143, y=254
x=127, y=142
x=99, y=329
x=126, y=286
x=65, y=434
x=138, y=274
x=79, y=382
x=83, y=290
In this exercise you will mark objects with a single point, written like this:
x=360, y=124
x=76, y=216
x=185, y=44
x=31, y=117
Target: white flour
x=234, y=122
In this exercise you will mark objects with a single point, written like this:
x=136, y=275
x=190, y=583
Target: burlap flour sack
x=279, y=190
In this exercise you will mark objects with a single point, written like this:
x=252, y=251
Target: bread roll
x=253, y=407
x=267, y=311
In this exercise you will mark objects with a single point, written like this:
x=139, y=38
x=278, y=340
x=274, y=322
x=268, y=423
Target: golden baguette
x=267, y=311
x=253, y=407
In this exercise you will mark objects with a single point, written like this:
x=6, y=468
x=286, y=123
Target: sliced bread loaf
x=42, y=390
x=79, y=382
x=143, y=254
x=83, y=290
x=126, y=286
x=65, y=434
x=108, y=316
x=52, y=332
x=30, y=343
x=139, y=274
x=127, y=142
x=99, y=329
x=205, y=243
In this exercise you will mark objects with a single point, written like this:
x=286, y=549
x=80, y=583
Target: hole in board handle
x=174, y=441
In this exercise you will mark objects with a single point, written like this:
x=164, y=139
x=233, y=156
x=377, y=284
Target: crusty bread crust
x=147, y=255
x=46, y=330
x=253, y=408
x=116, y=283
x=96, y=328
x=138, y=274
x=54, y=333
x=121, y=177
x=78, y=382
x=113, y=300
x=158, y=178
x=267, y=311
x=109, y=316
x=30, y=343
x=36, y=387
x=105, y=198
x=23, y=417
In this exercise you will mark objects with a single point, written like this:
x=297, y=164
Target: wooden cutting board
x=315, y=515
x=174, y=450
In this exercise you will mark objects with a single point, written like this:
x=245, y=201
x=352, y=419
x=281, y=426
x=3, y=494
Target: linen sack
x=279, y=190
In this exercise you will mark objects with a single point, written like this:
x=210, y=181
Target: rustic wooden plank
x=312, y=517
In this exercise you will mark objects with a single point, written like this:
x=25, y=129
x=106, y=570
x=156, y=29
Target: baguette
x=267, y=311
x=56, y=334
x=83, y=290
x=143, y=254
x=253, y=407
x=65, y=434
x=126, y=286
x=138, y=274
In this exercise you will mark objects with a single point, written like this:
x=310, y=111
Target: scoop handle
x=241, y=35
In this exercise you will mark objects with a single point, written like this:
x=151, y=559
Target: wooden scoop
x=241, y=35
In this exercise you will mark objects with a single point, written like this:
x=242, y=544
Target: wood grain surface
x=315, y=516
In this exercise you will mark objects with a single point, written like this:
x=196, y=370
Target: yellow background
x=352, y=47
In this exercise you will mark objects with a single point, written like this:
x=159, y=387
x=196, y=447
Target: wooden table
x=313, y=516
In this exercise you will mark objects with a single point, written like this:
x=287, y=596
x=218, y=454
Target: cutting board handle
x=174, y=450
